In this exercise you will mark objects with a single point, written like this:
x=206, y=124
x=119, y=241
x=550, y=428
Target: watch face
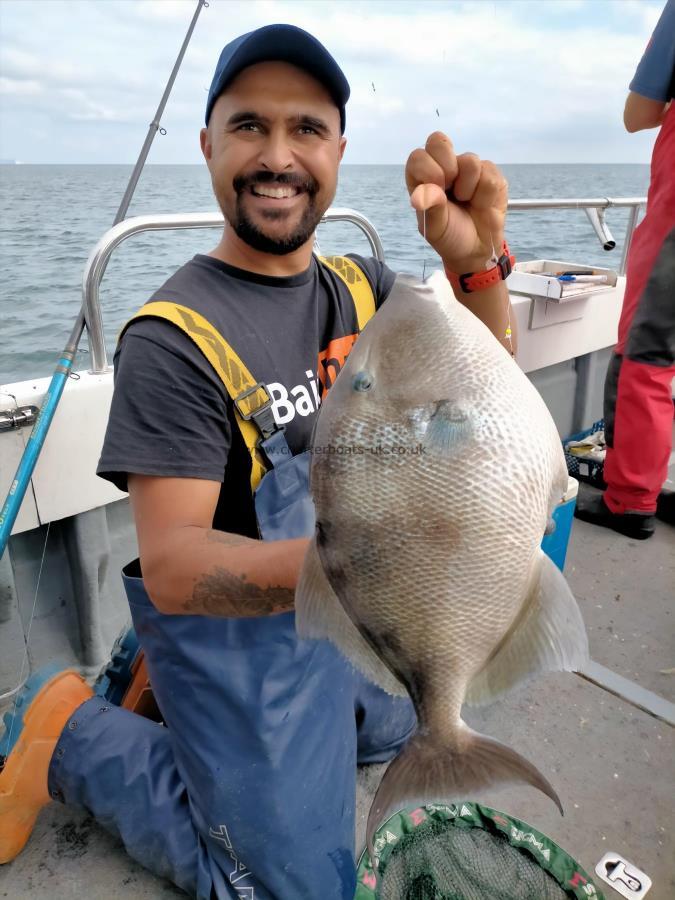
x=505, y=267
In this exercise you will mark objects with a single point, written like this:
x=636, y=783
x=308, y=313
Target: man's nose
x=276, y=153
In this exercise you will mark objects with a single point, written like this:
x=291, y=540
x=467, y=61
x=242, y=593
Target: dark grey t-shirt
x=170, y=413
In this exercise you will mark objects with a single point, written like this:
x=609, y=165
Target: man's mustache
x=302, y=182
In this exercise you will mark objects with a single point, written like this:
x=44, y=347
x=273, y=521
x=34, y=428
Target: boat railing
x=100, y=255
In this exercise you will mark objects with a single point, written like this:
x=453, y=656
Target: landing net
x=468, y=852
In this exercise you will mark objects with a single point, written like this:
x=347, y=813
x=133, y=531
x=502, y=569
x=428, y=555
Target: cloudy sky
x=538, y=81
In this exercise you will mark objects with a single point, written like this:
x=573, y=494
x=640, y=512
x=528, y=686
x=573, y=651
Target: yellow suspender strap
x=358, y=284
x=231, y=370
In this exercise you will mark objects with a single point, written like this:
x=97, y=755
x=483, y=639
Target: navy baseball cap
x=287, y=44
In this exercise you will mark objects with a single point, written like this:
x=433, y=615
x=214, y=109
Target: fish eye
x=362, y=381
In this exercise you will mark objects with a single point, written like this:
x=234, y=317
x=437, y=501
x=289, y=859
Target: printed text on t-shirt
x=305, y=399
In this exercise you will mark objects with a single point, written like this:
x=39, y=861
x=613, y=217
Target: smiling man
x=272, y=145
x=249, y=790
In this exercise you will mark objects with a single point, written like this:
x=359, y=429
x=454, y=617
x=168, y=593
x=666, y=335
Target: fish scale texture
x=430, y=520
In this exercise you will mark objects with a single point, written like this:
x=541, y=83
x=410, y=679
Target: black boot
x=665, y=506
x=592, y=508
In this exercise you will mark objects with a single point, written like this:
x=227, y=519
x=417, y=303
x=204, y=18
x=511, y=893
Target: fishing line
x=494, y=259
x=424, y=235
x=508, y=332
x=27, y=639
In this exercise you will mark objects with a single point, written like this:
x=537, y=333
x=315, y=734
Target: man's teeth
x=278, y=193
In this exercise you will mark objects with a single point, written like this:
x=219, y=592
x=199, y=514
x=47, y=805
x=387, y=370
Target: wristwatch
x=501, y=268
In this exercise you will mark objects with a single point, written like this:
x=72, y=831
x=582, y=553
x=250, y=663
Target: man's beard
x=250, y=233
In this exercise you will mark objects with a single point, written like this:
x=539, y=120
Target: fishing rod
x=19, y=485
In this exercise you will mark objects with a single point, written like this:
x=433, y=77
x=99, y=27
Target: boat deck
x=611, y=763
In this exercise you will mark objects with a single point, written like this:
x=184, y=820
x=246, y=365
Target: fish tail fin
x=427, y=771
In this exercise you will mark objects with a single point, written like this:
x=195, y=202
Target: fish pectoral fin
x=320, y=615
x=547, y=636
x=559, y=487
x=448, y=427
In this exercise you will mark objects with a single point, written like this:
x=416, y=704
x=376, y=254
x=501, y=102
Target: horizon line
x=12, y=163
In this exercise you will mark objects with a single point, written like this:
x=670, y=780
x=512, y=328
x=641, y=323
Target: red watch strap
x=479, y=281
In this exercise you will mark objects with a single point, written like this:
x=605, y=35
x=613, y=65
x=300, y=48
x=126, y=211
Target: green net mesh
x=467, y=851
x=441, y=863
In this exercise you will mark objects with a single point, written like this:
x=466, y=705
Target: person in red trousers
x=638, y=389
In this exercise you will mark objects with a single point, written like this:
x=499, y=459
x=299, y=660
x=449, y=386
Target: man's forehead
x=278, y=77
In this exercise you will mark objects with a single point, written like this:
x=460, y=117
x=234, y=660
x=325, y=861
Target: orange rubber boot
x=39, y=716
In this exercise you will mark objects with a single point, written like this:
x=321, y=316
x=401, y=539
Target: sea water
x=54, y=215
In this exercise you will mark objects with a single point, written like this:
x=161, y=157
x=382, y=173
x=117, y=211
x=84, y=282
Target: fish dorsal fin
x=320, y=615
x=547, y=636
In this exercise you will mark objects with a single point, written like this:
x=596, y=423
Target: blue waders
x=250, y=790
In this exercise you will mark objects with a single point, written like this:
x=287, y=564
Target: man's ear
x=205, y=143
x=341, y=150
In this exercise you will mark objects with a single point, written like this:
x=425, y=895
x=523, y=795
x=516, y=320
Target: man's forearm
x=207, y=572
x=493, y=307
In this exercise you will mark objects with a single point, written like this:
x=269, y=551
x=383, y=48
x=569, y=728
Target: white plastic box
x=527, y=278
